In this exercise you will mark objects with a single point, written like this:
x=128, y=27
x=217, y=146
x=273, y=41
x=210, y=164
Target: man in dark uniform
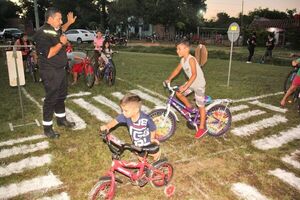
x=52, y=59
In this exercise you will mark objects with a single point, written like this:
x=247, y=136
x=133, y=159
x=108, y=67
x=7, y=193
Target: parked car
x=79, y=35
x=10, y=34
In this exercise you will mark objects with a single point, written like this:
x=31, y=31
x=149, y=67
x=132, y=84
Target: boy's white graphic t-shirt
x=140, y=131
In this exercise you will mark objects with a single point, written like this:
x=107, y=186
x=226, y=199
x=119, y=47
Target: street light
x=200, y=14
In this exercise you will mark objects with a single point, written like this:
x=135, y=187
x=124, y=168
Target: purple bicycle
x=218, y=116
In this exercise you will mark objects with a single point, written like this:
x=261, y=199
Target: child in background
x=196, y=82
x=106, y=49
x=141, y=127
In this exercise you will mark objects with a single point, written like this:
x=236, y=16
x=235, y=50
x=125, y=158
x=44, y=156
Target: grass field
x=203, y=169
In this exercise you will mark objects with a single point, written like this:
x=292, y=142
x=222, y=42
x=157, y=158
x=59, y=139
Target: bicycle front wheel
x=162, y=176
x=110, y=76
x=218, y=120
x=165, y=125
x=89, y=76
x=288, y=80
x=101, y=190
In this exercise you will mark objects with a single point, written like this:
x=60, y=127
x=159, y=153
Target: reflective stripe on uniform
x=60, y=114
x=47, y=123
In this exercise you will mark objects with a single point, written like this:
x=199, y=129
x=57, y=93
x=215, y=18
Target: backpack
x=201, y=54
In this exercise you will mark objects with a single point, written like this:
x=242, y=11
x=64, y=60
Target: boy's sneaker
x=200, y=133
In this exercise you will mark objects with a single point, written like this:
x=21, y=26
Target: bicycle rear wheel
x=218, y=120
x=89, y=76
x=165, y=125
x=288, y=80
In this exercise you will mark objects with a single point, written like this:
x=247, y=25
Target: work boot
x=62, y=121
x=49, y=132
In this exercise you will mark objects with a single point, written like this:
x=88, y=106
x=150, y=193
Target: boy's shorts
x=78, y=68
x=199, y=95
x=296, y=81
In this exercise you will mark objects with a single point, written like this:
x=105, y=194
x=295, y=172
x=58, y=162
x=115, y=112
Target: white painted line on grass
x=269, y=106
x=149, y=98
x=252, y=128
x=145, y=89
x=246, y=115
x=257, y=97
x=79, y=94
x=119, y=95
x=73, y=117
x=93, y=110
x=105, y=101
x=238, y=108
x=24, y=149
x=25, y=164
x=38, y=183
x=61, y=196
x=247, y=192
x=292, y=159
x=31, y=98
x=287, y=177
x=275, y=141
x=21, y=140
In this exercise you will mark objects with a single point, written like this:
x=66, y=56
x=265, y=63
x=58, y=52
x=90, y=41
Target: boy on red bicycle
x=196, y=82
x=141, y=127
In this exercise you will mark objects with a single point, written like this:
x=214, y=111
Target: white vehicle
x=79, y=35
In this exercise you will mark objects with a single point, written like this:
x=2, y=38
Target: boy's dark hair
x=184, y=41
x=51, y=11
x=130, y=98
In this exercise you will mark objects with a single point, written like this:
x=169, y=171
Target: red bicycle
x=140, y=173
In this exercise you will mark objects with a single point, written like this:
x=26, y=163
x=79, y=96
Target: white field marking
x=31, y=98
x=238, y=108
x=250, y=129
x=246, y=115
x=25, y=164
x=61, y=196
x=79, y=94
x=147, y=97
x=246, y=192
x=119, y=95
x=24, y=149
x=275, y=141
x=286, y=177
x=105, y=101
x=72, y=116
x=257, y=97
x=79, y=123
x=93, y=110
x=292, y=159
x=145, y=89
x=269, y=106
x=21, y=140
x=38, y=183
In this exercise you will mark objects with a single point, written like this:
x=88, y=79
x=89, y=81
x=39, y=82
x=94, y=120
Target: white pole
x=231, y=48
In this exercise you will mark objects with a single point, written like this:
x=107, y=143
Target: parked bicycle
x=140, y=173
x=83, y=68
x=106, y=70
x=218, y=119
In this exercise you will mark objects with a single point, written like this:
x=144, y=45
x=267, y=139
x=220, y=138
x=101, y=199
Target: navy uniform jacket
x=45, y=38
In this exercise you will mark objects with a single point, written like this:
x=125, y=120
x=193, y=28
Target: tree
x=8, y=10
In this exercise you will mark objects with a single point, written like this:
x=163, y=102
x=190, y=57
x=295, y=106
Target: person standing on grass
x=52, y=58
x=251, y=42
x=196, y=82
x=270, y=44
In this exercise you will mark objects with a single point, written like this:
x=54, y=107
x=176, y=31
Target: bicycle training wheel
x=218, y=120
x=165, y=125
x=101, y=190
x=158, y=179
